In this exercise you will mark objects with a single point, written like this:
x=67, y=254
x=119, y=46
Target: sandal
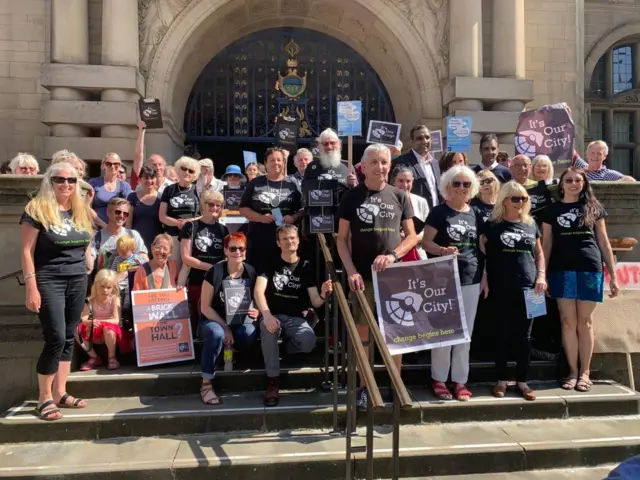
x=569, y=383
x=441, y=391
x=49, y=414
x=113, y=364
x=527, y=393
x=90, y=364
x=462, y=393
x=584, y=384
x=74, y=404
x=499, y=390
x=208, y=396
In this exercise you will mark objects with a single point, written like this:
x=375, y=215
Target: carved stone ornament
x=632, y=96
x=430, y=18
x=155, y=18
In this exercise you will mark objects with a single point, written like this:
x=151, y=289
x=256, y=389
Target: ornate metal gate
x=292, y=71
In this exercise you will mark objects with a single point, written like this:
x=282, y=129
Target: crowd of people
x=87, y=244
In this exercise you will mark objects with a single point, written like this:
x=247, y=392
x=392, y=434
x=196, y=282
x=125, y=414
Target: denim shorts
x=586, y=286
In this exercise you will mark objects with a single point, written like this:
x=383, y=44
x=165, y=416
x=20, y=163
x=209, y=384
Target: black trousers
x=62, y=301
x=512, y=332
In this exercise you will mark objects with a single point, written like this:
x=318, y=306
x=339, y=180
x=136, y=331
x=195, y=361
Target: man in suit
x=426, y=172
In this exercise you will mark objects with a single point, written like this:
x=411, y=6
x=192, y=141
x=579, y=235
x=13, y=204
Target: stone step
x=594, y=473
x=185, y=378
x=433, y=450
x=108, y=418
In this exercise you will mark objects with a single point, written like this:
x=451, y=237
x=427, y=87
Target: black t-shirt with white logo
x=263, y=195
x=287, y=285
x=540, y=197
x=375, y=219
x=181, y=203
x=461, y=230
x=574, y=247
x=206, y=245
x=317, y=177
x=510, y=248
x=485, y=209
x=59, y=250
x=216, y=277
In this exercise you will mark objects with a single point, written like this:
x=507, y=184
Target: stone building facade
x=71, y=71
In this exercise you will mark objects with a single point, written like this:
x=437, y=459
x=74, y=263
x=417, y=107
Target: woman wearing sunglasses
x=218, y=325
x=453, y=228
x=201, y=248
x=180, y=203
x=108, y=186
x=575, y=243
x=56, y=232
x=514, y=263
x=485, y=200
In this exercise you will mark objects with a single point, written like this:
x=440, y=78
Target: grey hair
x=399, y=170
x=376, y=148
x=300, y=152
x=188, y=162
x=329, y=132
x=544, y=159
x=599, y=143
x=24, y=160
x=459, y=170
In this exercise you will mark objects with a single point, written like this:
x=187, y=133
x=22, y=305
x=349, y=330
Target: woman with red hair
x=226, y=304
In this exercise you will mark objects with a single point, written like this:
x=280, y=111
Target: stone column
x=465, y=46
x=608, y=130
x=608, y=68
x=69, y=44
x=636, y=65
x=120, y=48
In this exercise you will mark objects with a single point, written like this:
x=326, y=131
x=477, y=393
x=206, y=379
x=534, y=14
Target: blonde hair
x=106, y=276
x=510, y=189
x=163, y=236
x=125, y=242
x=546, y=160
x=188, y=162
x=212, y=197
x=449, y=176
x=44, y=207
x=65, y=156
x=24, y=160
x=118, y=201
x=495, y=185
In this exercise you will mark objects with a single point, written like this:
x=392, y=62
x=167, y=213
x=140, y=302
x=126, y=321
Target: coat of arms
x=292, y=84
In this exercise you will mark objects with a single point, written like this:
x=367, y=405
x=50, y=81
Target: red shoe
x=441, y=391
x=90, y=364
x=272, y=394
x=462, y=393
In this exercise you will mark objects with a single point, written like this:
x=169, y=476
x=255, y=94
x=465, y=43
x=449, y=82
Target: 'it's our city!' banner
x=162, y=327
x=419, y=305
x=549, y=131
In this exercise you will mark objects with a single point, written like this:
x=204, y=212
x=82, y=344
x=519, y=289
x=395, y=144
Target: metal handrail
x=363, y=364
x=15, y=274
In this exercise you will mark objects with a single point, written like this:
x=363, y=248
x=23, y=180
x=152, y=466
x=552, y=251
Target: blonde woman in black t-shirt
x=56, y=233
x=514, y=263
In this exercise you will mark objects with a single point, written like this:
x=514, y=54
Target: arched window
x=613, y=100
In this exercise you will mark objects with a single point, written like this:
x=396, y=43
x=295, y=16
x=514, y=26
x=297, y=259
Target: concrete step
x=594, y=473
x=107, y=418
x=185, y=378
x=426, y=450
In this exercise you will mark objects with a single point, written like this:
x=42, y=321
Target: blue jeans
x=212, y=334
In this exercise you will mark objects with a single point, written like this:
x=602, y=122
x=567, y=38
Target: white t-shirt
x=421, y=212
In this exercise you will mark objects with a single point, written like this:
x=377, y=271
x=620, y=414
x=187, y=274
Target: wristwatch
x=394, y=255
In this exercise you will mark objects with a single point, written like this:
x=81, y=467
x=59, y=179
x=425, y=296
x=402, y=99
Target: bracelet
x=323, y=298
x=29, y=275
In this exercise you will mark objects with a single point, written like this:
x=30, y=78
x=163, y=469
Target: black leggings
x=62, y=301
x=512, y=331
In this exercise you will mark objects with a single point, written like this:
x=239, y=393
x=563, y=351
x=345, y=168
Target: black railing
x=17, y=274
x=355, y=354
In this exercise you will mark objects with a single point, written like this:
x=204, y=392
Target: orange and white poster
x=162, y=327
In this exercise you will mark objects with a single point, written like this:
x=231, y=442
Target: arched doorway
x=239, y=94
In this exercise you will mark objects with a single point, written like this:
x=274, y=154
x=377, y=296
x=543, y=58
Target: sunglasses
x=519, y=199
x=121, y=213
x=61, y=180
x=572, y=180
x=112, y=164
x=235, y=248
x=457, y=184
x=185, y=169
x=486, y=181
x=213, y=205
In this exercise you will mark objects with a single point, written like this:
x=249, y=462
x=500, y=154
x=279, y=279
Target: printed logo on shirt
x=510, y=239
x=570, y=219
x=181, y=200
x=64, y=229
x=367, y=212
x=536, y=200
x=205, y=239
x=267, y=197
x=460, y=230
x=285, y=278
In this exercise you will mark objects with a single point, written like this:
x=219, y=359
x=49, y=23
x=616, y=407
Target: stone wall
x=24, y=46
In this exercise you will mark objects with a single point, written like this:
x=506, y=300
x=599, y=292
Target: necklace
x=274, y=205
x=106, y=306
